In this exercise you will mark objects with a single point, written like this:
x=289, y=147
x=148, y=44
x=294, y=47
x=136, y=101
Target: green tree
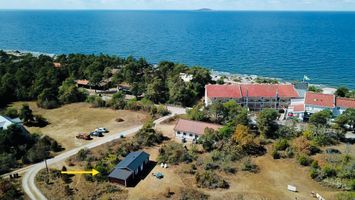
x=232, y=110
x=197, y=113
x=313, y=88
x=48, y=99
x=7, y=161
x=11, y=112
x=217, y=112
x=208, y=139
x=320, y=118
x=346, y=118
x=180, y=92
x=95, y=79
x=118, y=101
x=26, y=114
x=243, y=118
x=200, y=78
x=341, y=91
x=156, y=91
x=69, y=92
x=266, y=122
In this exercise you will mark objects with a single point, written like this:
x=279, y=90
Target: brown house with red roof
x=191, y=130
x=254, y=96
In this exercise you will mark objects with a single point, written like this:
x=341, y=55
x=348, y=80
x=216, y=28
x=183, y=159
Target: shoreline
x=249, y=78
x=231, y=77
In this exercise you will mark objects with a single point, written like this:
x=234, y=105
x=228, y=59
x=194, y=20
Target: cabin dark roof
x=133, y=160
x=127, y=166
x=122, y=174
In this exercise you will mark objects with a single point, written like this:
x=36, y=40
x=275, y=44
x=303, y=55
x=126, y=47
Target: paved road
x=28, y=181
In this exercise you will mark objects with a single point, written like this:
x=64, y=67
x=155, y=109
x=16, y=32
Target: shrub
x=286, y=132
x=275, y=154
x=281, y=144
x=209, y=179
x=7, y=161
x=249, y=166
x=303, y=146
x=9, y=191
x=314, y=173
x=96, y=101
x=328, y=171
x=352, y=184
x=162, y=110
x=82, y=154
x=345, y=196
x=147, y=136
x=173, y=153
x=314, y=164
x=289, y=152
x=11, y=112
x=304, y=160
x=192, y=194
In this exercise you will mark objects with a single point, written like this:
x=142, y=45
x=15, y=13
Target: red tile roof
x=82, y=82
x=57, y=65
x=251, y=90
x=268, y=90
x=195, y=127
x=223, y=91
x=345, y=103
x=318, y=99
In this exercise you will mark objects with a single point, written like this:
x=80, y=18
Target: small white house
x=191, y=130
x=6, y=122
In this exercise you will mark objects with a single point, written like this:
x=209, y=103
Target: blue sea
x=285, y=45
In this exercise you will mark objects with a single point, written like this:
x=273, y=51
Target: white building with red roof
x=315, y=102
x=255, y=96
x=342, y=104
x=190, y=130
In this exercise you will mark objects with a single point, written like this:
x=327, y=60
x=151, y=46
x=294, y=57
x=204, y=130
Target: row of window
x=184, y=133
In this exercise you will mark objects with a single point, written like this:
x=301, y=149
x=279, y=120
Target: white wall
x=187, y=136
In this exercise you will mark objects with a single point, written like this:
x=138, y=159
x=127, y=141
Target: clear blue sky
x=339, y=5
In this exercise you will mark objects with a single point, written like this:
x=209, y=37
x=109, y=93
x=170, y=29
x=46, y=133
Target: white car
x=101, y=130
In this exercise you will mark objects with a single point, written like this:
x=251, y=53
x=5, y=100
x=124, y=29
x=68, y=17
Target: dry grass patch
x=69, y=120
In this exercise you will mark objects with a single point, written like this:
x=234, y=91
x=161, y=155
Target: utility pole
x=45, y=161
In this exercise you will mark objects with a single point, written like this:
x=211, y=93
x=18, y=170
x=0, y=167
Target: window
x=178, y=133
x=190, y=134
x=184, y=133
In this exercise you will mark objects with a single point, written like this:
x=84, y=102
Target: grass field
x=69, y=120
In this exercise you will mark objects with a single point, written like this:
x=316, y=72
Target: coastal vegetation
x=29, y=77
x=18, y=148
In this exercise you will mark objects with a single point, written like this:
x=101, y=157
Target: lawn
x=69, y=120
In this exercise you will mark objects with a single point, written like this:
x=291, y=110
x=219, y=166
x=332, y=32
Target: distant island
x=204, y=9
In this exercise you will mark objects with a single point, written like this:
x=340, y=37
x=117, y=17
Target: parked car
x=96, y=134
x=83, y=136
x=101, y=130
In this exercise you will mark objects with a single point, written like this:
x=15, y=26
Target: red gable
x=251, y=90
x=345, y=103
x=223, y=91
x=318, y=99
x=195, y=127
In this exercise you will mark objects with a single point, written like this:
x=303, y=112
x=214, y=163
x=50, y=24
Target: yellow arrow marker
x=93, y=172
